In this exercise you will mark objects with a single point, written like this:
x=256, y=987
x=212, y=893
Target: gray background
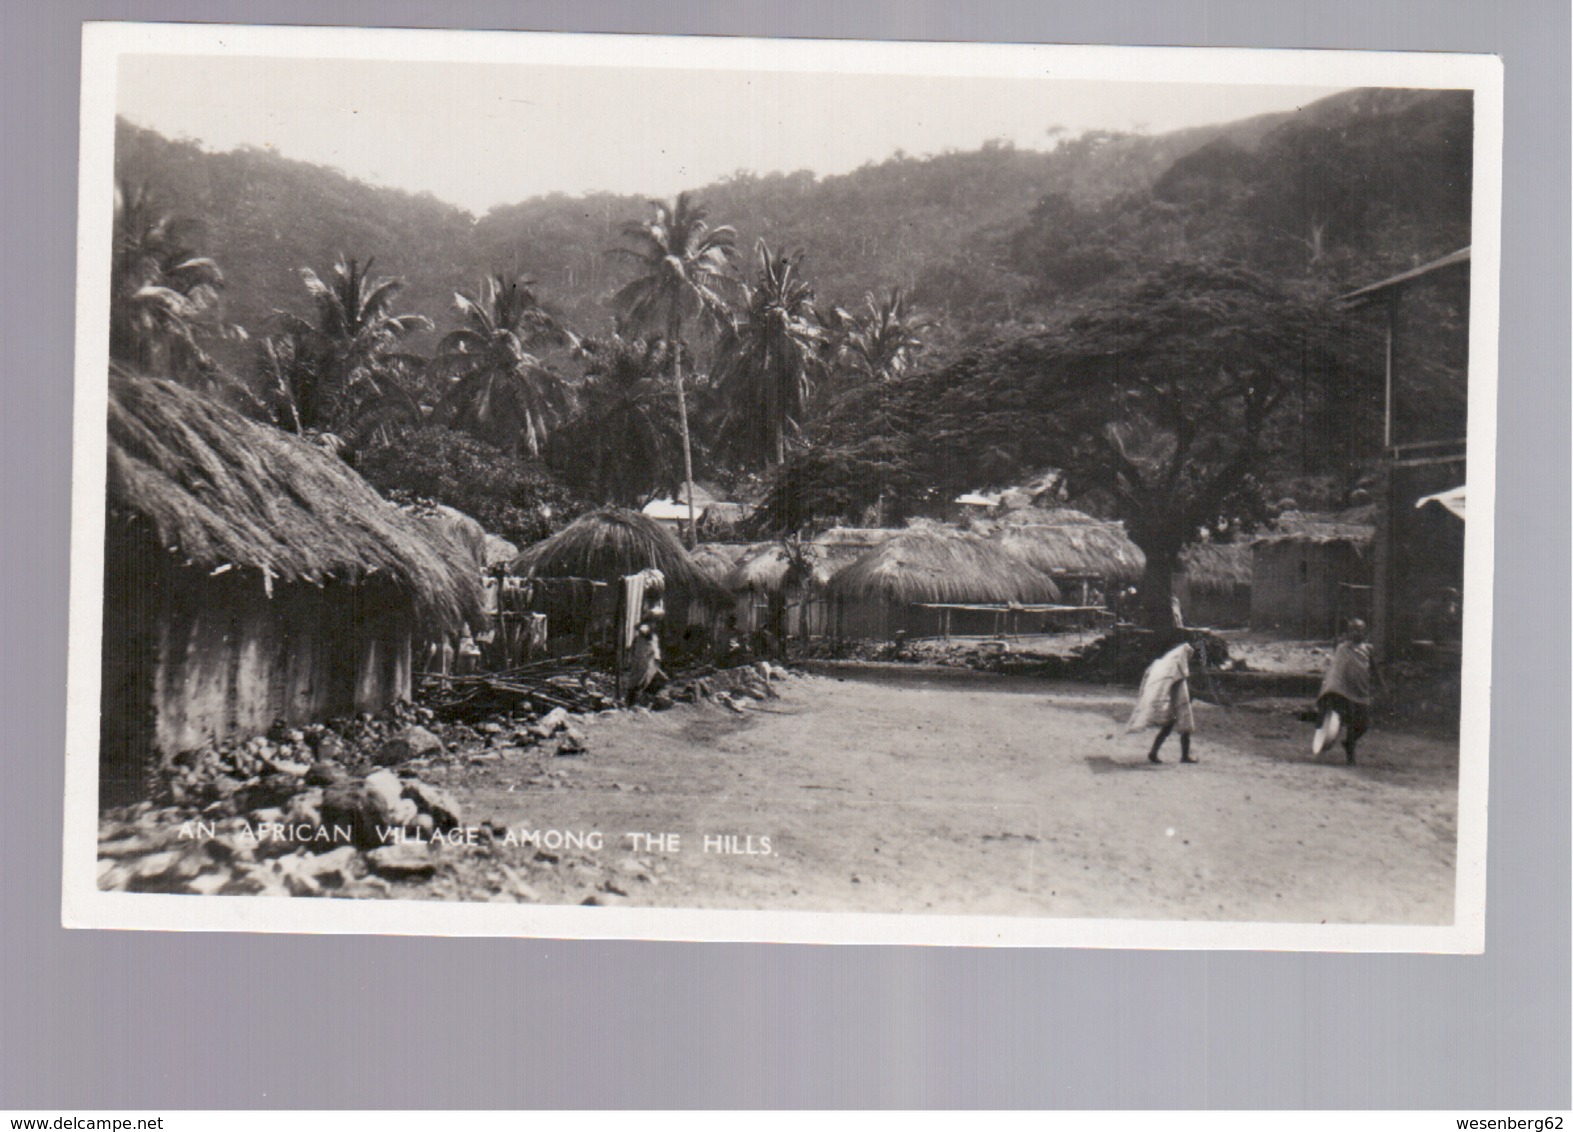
x=148, y=1020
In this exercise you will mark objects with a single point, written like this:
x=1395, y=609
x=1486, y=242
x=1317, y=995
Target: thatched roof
x=218, y=490
x=499, y=551
x=609, y=544
x=718, y=558
x=762, y=568
x=1216, y=565
x=1063, y=541
x=935, y=564
x=1356, y=526
x=465, y=533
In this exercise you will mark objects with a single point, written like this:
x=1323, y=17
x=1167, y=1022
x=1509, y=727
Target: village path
x=958, y=795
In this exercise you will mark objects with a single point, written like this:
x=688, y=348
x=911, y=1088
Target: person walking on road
x=1344, y=704
x=1164, y=701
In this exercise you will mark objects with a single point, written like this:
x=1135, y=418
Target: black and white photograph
x=615, y=486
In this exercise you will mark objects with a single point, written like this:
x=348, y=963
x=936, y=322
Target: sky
x=482, y=134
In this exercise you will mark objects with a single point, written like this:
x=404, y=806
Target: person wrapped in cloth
x=1344, y=704
x=645, y=674
x=1164, y=701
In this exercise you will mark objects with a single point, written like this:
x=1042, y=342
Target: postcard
x=837, y=492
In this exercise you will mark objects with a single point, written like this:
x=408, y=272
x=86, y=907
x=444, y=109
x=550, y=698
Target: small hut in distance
x=1087, y=557
x=1312, y=572
x=579, y=567
x=249, y=576
x=1214, y=584
x=762, y=575
x=931, y=581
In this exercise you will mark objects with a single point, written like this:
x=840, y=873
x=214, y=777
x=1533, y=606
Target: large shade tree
x=492, y=385
x=767, y=359
x=345, y=369
x=682, y=280
x=1164, y=396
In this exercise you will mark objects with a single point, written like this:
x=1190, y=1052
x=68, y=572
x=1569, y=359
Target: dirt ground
x=962, y=792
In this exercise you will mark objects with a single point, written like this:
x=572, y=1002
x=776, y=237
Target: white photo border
x=84, y=905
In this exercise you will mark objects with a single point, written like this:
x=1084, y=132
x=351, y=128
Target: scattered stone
x=491, y=728
x=404, y=812
x=324, y=773
x=329, y=747
x=443, y=808
x=305, y=808
x=409, y=859
x=411, y=743
x=269, y=791
x=288, y=766
x=208, y=883
x=386, y=785
x=571, y=744
x=127, y=847
x=354, y=805
x=221, y=788
x=333, y=869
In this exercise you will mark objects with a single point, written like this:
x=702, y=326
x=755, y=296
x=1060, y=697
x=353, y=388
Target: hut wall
x=1214, y=607
x=189, y=659
x=1298, y=586
x=875, y=619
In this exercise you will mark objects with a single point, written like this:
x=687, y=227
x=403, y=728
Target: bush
x=519, y=500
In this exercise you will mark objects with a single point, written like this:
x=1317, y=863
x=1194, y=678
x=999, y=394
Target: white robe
x=1165, y=695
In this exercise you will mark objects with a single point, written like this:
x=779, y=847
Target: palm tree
x=882, y=344
x=623, y=442
x=767, y=359
x=683, y=278
x=352, y=375
x=162, y=293
x=496, y=389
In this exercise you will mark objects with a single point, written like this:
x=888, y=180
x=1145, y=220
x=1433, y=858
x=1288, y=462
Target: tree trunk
x=682, y=419
x=1157, y=605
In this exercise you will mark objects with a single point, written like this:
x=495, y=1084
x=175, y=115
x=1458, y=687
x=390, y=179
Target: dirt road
x=967, y=793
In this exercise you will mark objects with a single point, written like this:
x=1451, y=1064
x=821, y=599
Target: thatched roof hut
x=718, y=558
x=1067, y=542
x=1312, y=571
x=250, y=577
x=607, y=545
x=935, y=564
x=1216, y=566
x=763, y=567
x=1355, y=527
x=889, y=586
x=219, y=491
x=499, y=551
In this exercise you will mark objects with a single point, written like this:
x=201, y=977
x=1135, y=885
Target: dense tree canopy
x=624, y=442
x=489, y=383
x=163, y=293
x=349, y=373
x=766, y=362
x=519, y=500
x=1162, y=396
x=682, y=267
x=1149, y=314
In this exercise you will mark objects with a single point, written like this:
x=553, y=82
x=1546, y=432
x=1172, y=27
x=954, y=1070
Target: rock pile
x=731, y=688
x=331, y=809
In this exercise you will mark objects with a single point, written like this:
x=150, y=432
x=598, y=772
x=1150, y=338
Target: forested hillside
x=1155, y=315
x=938, y=226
